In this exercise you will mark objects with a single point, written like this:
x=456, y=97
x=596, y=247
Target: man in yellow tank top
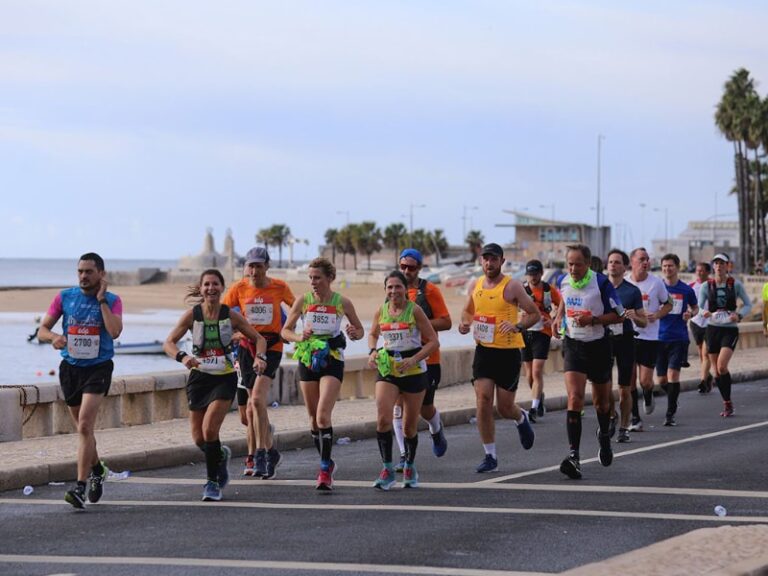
x=491, y=311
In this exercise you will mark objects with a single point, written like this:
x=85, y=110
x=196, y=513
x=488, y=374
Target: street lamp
x=464, y=221
x=666, y=226
x=642, y=223
x=552, y=232
x=600, y=139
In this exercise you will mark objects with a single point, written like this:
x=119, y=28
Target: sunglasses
x=408, y=267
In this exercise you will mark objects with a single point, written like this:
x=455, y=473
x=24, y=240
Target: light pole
x=552, y=232
x=666, y=226
x=410, y=230
x=464, y=221
x=642, y=223
x=600, y=139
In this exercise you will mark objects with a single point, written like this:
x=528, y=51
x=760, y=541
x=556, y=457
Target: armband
x=180, y=355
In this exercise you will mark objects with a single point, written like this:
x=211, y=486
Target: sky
x=130, y=127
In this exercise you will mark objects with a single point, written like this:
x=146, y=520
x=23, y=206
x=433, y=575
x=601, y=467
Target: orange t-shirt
x=538, y=298
x=439, y=310
x=261, y=306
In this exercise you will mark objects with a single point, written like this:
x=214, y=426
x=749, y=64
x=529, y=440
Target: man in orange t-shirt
x=538, y=336
x=430, y=299
x=260, y=299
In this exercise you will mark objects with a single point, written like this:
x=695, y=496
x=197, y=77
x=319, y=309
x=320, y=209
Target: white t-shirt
x=699, y=320
x=655, y=295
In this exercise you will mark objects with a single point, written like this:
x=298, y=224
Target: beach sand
x=136, y=299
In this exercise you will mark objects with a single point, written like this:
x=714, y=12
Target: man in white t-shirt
x=657, y=304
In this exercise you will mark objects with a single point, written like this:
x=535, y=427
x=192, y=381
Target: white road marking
x=401, y=508
x=258, y=564
x=624, y=453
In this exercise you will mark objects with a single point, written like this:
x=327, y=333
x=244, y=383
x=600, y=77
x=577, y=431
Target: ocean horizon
x=48, y=272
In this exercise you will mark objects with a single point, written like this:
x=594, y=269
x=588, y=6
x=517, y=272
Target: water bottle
x=27, y=490
x=343, y=440
x=720, y=510
x=114, y=476
x=275, y=404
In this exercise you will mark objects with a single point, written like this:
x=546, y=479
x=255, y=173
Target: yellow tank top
x=490, y=310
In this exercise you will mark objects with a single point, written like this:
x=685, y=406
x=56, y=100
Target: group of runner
x=629, y=317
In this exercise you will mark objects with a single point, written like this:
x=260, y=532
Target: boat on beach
x=154, y=347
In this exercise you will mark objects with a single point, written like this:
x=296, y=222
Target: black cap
x=534, y=266
x=493, y=249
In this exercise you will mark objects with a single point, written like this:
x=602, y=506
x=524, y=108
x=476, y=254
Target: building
x=546, y=239
x=700, y=241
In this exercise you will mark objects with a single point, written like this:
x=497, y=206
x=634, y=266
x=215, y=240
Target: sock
x=604, y=420
x=635, y=406
x=97, y=469
x=212, y=459
x=490, y=449
x=534, y=403
x=410, y=448
x=384, y=440
x=80, y=487
x=724, y=385
x=316, y=439
x=573, y=424
x=434, y=423
x=521, y=419
x=326, y=445
x=674, y=393
x=397, y=427
x=201, y=445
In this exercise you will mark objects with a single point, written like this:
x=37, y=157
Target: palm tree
x=343, y=242
x=331, y=239
x=279, y=234
x=348, y=238
x=368, y=239
x=420, y=239
x=394, y=238
x=439, y=242
x=263, y=237
x=475, y=241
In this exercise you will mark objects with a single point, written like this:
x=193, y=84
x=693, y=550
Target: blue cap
x=412, y=253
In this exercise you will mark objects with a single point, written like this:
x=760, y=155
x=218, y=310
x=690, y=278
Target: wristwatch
x=261, y=356
x=103, y=301
x=519, y=326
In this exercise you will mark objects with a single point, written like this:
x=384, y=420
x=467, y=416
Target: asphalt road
x=525, y=518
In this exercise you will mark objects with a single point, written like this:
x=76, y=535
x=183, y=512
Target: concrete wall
x=29, y=411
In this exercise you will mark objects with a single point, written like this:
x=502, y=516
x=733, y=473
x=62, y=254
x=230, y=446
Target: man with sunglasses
x=431, y=301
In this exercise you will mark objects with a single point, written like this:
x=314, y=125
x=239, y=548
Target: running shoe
x=532, y=415
x=525, y=430
x=623, y=436
x=386, y=478
x=260, y=464
x=489, y=464
x=571, y=466
x=249, y=466
x=605, y=454
x=439, y=442
x=703, y=387
x=727, y=409
x=612, y=425
x=211, y=491
x=649, y=403
x=76, y=497
x=324, y=480
x=669, y=420
x=226, y=454
x=710, y=383
x=540, y=410
x=96, y=487
x=273, y=461
x=410, y=476
x=636, y=425
x=401, y=464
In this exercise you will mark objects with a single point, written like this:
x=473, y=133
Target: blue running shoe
x=489, y=464
x=410, y=476
x=386, y=479
x=211, y=492
x=226, y=454
x=439, y=443
x=525, y=430
x=260, y=463
x=273, y=461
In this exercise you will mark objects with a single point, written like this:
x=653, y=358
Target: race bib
x=484, y=328
x=395, y=335
x=321, y=318
x=646, y=302
x=574, y=330
x=677, y=304
x=259, y=311
x=83, y=342
x=720, y=317
x=617, y=329
x=212, y=361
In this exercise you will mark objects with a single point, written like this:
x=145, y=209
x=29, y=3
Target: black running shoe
x=532, y=413
x=571, y=466
x=623, y=436
x=76, y=497
x=96, y=488
x=669, y=420
x=273, y=461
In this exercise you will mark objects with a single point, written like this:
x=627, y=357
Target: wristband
x=103, y=301
x=261, y=356
x=371, y=351
x=180, y=355
x=519, y=326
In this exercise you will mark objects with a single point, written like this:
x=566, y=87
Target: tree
x=420, y=239
x=368, y=240
x=263, y=236
x=348, y=242
x=332, y=239
x=394, y=238
x=343, y=243
x=278, y=235
x=440, y=244
x=475, y=241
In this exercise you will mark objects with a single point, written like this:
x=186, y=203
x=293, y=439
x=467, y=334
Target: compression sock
x=384, y=440
x=635, y=406
x=410, y=448
x=326, y=445
x=397, y=427
x=316, y=439
x=604, y=421
x=672, y=396
x=573, y=424
x=212, y=459
x=724, y=385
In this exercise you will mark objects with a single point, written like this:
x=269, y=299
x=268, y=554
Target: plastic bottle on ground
x=27, y=490
x=720, y=511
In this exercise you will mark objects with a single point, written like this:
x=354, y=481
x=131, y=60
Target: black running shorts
x=434, y=373
x=623, y=348
x=698, y=333
x=536, y=346
x=591, y=358
x=646, y=352
x=78, y=380
x=245, y=360
x=719, y=337
x=204, y=388
x=672, y=356
x=502, y=365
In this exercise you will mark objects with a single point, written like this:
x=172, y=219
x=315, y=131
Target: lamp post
x=464, y=221
x=552, y=232
x=666, y=226
x=642, y=223
x=600, y=139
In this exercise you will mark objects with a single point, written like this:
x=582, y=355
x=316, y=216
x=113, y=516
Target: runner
x=261, y=298
x=430, y=299
x=673, y=334
x=623, y=336
x=320, y=351
x=409, y=340
x=698, y=325
x=589, y=303
x=92, y=319
x=212, y=382
x=765, y=309
x=537, y=338
x=657, y=304
x=718, y=300
x=493, y=306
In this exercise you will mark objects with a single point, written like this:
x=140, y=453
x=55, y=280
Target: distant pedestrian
x=212, y=381
x=698, y=326
x=92, y=319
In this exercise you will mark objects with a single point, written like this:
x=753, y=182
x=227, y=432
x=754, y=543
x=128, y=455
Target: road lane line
x=401, y=508
x=632, y=452
x=258, y=564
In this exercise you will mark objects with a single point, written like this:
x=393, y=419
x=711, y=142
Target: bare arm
x=515, y=293
x=637, y=316
x=46, y=333
x=373, y=339
x=242, y=326
x=468, y=312
x=112, y=322
x=170, y=346
x=354, y=329
x=288, y=332
x=558, y=319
